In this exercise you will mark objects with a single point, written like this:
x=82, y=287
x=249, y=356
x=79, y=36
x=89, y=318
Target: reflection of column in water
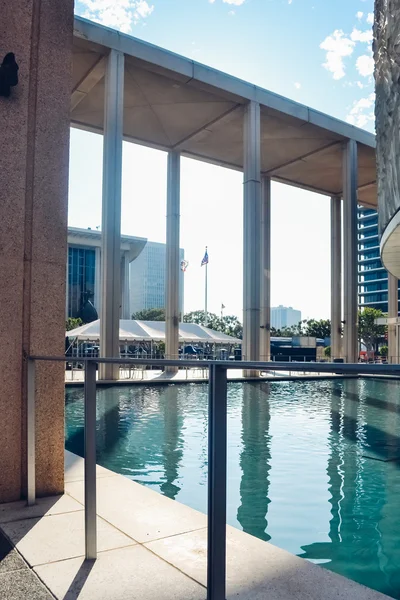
x=255, y=460
x=108, y=421
x=172, y=447
x=354, y=483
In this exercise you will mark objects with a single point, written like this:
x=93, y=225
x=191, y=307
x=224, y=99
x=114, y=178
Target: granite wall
x=34, y=126
x=387, y=109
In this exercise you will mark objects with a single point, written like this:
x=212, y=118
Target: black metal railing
x=217, y=442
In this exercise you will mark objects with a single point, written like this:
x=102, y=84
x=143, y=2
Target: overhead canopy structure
x=174, y=103
x=133, y=246
x=152, y=331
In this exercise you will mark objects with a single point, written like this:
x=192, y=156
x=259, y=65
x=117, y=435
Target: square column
x=393, y=311
x=111, y=214
x=125, y=301
x=336, y=277
x=251, y=232
x=172, y=258
x=350, y=332
x=97, y=280
x=34, y=126
x=265, y=331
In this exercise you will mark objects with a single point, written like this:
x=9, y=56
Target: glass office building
x=81, y=277
x=372, y=277
x=147, y=278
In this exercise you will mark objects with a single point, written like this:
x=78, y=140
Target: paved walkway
x=149, y=548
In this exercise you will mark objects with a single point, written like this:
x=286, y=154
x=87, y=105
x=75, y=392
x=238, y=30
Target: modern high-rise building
x=284, y=316
x=147, y=278
x=84, y=269
x=372, y=277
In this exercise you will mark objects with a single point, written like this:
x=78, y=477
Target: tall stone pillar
x=34, y=126
x=97, y=280
x=265, y=331
x=393, y=311
x=350, y=333
x=336, y=277
x=172, y=252
x=125, y=304
x=111, y=214
x=251, y=232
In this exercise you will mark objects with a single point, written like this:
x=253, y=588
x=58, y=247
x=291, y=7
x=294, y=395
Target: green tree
x=229, y=324
x=150, y=314
x=72, y=323
x=327, y=351
x=318, y=329
x=368, y=332
x=384, y=350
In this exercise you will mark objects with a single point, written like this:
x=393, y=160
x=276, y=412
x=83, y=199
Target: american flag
x=205, y=259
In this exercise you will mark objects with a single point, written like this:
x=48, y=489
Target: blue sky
x=317, y=52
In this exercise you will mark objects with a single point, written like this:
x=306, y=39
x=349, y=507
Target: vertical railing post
x=217, y=451
x=30, y=435
x=90, y=460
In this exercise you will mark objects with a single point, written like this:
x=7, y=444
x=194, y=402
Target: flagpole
x=206, y=293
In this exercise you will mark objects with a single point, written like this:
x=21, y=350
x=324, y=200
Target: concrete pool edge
x=271, y=379
x=151, y=546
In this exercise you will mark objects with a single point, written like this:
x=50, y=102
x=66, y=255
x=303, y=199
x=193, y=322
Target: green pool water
x=314, y=467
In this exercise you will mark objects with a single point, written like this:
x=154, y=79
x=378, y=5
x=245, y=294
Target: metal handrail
x=217, y=441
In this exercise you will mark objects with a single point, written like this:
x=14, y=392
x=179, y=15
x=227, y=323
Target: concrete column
x=67, y=287
x=172, y=258
x=111, y=213
x=251, y=232
x=97, y=281
x=125, y=303
x=265, y=331
x=34, y=126
x=350, y=337
x=336, y=277
x=393, y=299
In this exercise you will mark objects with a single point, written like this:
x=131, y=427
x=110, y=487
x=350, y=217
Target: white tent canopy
x=147, y=331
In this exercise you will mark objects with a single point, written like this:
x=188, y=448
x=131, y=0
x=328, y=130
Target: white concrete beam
x=350, y=337
x=251, y=233
x=265, y=331
x=172, y=258
x=111, y=214
x=87, y=83
x=336, y=277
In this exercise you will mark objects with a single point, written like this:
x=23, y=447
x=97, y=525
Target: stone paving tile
x=22, y=585
x=53, y=505
x=10, y=560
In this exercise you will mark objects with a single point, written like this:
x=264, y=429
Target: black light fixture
x=8, y=74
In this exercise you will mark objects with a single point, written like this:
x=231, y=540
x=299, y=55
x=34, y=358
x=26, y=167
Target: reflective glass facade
x=81, y=277
x=372, y=277
x=147, y=278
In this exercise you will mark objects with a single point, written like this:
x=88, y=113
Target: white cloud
x=231, y=13
x=297, y=85
x=359, y=15
x=370, y=18
x=365, y=65
x=234, y=2
x=362, y=113
x=119, y=14
x=337, y=47
x=361, y=36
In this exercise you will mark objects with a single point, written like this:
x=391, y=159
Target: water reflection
x=364, y=485
x=314, y=465
x=172, y=446
x=255, y=461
